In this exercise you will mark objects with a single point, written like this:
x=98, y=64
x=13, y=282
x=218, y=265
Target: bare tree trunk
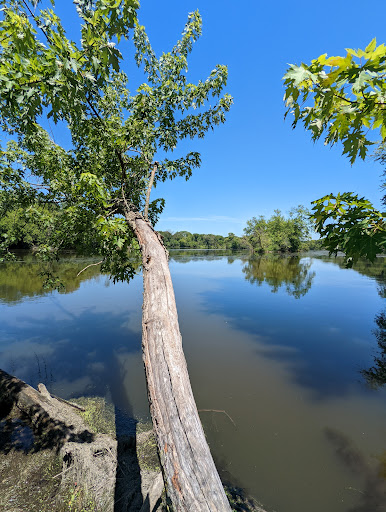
x=193, y=483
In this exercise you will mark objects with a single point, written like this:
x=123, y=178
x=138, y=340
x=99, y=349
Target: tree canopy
x=278, y=233
x=122, y=144
x=342, y=99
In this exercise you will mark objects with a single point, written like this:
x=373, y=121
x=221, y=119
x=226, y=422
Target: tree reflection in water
x=372, y=495
x=22, y=279
x=25, y=277
x=292, y=273
x=376, y=375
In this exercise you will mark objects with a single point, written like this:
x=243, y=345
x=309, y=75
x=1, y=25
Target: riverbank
x=41, y=471
x=65, y=456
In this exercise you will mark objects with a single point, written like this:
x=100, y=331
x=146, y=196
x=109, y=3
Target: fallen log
x=192, y=480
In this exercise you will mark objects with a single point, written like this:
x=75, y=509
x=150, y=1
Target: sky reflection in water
x=324, y=335
x=277, y=343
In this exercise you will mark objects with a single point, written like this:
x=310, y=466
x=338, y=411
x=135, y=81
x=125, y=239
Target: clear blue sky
x=255, y=162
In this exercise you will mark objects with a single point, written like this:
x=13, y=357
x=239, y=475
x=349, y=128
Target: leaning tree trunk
x=193, y=483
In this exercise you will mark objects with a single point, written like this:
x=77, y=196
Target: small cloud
x=25, y=350
x=76, y=387
x=210, y=218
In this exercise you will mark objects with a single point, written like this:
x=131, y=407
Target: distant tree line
x=186, y=240
x=261, y=235
x=22, y=228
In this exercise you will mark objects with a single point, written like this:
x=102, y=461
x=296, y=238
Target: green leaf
x=371, y=46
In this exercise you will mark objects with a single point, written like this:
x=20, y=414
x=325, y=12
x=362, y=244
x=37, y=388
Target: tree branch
x=217, y=410
x=93, y=109
x=35, y=20
x=88, y=266
x=344, y=99
x=36, y=185
x=85, y=51
x=155, y=167
x=130, y=148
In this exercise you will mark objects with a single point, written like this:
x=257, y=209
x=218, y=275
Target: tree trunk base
x=89, y=460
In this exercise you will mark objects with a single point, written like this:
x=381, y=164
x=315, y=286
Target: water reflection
x=324, y=339
x=376, y=375
x=69, y=354
x=76, y=343
x=292, y=273
x=372, y=494
x=375, y=269
x=22, y=279
x=282, y=369
x=189, y=255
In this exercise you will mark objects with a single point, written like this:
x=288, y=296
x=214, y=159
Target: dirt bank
x=56, y=458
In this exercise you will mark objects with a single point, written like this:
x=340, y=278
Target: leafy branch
x=350, y=224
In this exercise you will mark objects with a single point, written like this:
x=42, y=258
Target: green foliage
x=82, y=196
x=350, y=224
x=312, y=245
x=279, y=234
x=256, y=234
x=54, y=73
x=340, y=98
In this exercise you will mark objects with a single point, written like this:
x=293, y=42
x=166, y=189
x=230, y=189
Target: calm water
x=282, y=345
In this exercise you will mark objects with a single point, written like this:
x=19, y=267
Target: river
x=284, y=354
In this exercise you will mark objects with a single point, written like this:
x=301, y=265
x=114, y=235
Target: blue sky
x=255, y=162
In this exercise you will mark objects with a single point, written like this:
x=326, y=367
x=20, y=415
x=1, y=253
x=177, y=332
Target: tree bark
x=192, y=480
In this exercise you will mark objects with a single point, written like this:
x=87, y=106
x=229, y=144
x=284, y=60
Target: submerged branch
x=88, y=266
x=217, y=410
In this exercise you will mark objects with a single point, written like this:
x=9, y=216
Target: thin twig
x=85, y=51
x=37, y=185
x=6, y=37
x=112, y=212
x=35, y=19
x=130, y=148
x=64, y=471
x=91, y=265
x=217, y=410
x=71, y=404
x=52, y=133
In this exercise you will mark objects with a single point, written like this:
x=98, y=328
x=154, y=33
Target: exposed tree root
x=88, y=458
